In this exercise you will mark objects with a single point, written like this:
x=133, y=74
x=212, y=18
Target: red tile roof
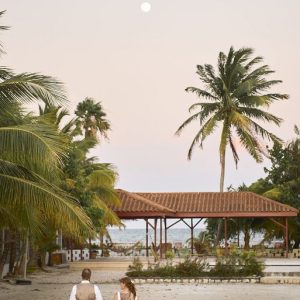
x=198, y=205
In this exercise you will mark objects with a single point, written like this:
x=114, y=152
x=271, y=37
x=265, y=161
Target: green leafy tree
x=91, y=119
x=31, y=156
x=236, y=99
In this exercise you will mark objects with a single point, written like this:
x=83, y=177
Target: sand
x=57, y=285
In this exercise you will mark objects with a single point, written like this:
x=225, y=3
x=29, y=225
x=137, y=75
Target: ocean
x=131, y=236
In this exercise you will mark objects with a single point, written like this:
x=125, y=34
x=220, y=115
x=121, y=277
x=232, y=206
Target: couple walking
x=87, y=291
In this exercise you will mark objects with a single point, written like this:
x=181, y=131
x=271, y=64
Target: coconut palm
x=30, y=157
x=237, y=99
x=54, y=115
x=91, y=119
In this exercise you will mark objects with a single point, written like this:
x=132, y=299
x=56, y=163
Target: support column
x=147, y=238
x=160, y=239
x=192, y=237
x=286, y=238
x=238, y=225
x=155, y=233
x=225, y=235
x=165, y=223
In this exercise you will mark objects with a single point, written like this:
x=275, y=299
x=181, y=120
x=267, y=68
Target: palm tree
x=236, y=95
x=30, y=157
x=91, y=119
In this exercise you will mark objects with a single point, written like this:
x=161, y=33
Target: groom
x=85, y=290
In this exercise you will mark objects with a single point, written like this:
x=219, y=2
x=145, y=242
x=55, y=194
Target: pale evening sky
x=138, y=64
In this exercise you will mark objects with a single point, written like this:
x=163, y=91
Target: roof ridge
x=188, y=192
x=148, y=201
x=274, y=201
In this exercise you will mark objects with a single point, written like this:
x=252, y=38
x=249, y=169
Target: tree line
x=49, y=182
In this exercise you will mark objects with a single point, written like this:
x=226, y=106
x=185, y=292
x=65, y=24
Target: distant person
x=85, y=290
x=127, y=292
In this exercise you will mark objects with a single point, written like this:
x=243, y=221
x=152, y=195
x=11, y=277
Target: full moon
x=145, y=7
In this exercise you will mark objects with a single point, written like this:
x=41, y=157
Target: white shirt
x=96, y=289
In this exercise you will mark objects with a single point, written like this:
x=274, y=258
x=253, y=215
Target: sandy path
x=57, y=285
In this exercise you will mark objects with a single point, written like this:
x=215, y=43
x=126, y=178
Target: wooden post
x=72, y=259
x=160, y=239
x=147, y=238
x=238, y=225
x=165, y=221
x=225, y=235
x=192, y=237
x=155, y=233
x=286, y=238
x=61, y=239
x=90, y=248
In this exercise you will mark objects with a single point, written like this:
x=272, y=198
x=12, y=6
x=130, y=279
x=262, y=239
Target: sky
x=138, y=65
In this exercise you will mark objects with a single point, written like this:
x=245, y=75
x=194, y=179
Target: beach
x=57, y=285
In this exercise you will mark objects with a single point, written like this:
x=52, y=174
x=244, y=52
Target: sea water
x=130, y=235
x=174, y=235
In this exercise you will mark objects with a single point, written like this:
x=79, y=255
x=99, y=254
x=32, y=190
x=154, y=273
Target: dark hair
x=86, y=274
x=129, y=284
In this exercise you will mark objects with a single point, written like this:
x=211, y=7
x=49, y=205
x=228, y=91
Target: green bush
x=170, y=255
x=191, y=267
x=237, y=264
x=137, y=265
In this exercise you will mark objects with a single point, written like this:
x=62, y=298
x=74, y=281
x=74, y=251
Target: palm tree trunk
x=4, y=256
x=13, y=253
x=222, y=178
x=246, y=238
x=26, y=255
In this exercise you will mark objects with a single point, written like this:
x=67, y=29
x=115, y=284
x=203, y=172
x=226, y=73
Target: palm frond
x=250, y=143
x=28, y=87
x=201, y=93
x=204, y=132
x=259, y=114
x=187, y=122
x=43, y=145
x=22, y=188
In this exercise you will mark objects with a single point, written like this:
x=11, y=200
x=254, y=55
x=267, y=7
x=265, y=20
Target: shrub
x=170, y=255
x=237, y=264
x=137, y=265
x=191, y=267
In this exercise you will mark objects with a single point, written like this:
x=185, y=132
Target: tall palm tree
x=91, y=119
x=30, y=156
x=236, y=95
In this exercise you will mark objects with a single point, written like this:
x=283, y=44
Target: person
x=85, y=290
x=128, y=291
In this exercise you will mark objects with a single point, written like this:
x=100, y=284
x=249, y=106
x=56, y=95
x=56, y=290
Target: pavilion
x=192, y=205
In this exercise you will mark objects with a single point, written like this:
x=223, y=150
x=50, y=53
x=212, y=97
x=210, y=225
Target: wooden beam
x=147, y=220
x=188, y=225
x=160, y=239
x=166, y=228
x=225, y=234
x=174, y=223
x=159, y=214
x=147, y=237
x=155, y=233
x=192, y=237
x=278, y=223
x=286, y=238
x=198, y=222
